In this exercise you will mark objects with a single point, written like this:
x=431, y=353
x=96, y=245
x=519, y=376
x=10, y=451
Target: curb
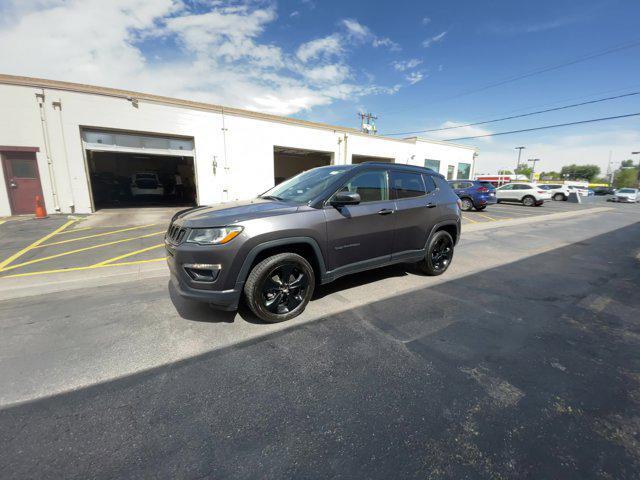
x=475, y=227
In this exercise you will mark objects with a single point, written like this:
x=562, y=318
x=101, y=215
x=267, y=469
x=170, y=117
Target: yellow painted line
x=74, y=230
x=75, y=269
x=485, y=216
x=126, y=255
x=96, y=235
x=470, y=219
x=18, y=254
x=2, y=221
x=84, y=249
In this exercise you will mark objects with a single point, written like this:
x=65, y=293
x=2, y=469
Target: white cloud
x=294, y=14
x=355, y=29
x=430, y=41
x=415, y=77
x=459, y=132
x=402, y=65
x=328, y=46
x=213, y=55
x=426, y=20
x=386, y=42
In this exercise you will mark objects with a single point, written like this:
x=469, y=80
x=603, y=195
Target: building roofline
x=129, y=94
x=441, y=142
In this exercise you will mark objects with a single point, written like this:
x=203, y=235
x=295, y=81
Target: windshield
x=626, y=190
x=306, y=185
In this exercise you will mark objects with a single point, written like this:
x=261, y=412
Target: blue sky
x=408, y=62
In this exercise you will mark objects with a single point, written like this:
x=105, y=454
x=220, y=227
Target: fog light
x=202, y=272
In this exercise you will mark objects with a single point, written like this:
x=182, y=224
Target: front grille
x=176, y=234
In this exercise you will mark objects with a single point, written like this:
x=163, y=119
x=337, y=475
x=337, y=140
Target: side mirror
x=345, y=198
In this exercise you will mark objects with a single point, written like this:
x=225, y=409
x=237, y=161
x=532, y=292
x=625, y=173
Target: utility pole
x=519, y=155
x=533, y=166
x=367, y=123
x=638, y=177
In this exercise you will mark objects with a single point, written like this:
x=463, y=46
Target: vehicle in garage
x=526, y=193
x=318, y=226
x=146, y=183
x=474, y=193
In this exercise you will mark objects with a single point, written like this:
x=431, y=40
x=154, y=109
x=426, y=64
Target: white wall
x=243, y=150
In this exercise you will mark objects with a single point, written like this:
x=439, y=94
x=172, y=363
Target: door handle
x=385, y=211
x=13, y=184
x=431, y=205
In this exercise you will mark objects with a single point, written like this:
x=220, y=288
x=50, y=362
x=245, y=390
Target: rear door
x=416, y=210
x=361, y=235
x=505, y=192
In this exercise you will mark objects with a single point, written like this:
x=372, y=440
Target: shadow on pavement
x=528, y=370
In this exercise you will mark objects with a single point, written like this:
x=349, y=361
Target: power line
x=555, y=109
x=593, y=120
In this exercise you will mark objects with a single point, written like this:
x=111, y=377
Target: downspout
x=58, y=105
x=47, y=149
x=225, y=189
x=346, y=137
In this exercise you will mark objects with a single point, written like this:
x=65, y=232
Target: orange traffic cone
x=41, y=212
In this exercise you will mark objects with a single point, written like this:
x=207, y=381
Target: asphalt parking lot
x=520, y=362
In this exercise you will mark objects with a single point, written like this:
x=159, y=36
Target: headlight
x=213, y=236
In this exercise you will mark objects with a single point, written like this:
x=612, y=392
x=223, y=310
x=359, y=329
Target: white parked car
x=630, y=195
x=146, y=183
x=582, y=191
x=557, y=190
x=528, y=194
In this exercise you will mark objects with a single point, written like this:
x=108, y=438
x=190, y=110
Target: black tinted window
x=371, y=186
x=407, y=185
x=429, y=184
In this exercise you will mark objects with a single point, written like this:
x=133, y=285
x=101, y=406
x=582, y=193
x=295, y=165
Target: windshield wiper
x=271, y=197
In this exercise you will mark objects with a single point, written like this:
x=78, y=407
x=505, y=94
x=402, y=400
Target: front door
x=361, y=235
x=22, y=179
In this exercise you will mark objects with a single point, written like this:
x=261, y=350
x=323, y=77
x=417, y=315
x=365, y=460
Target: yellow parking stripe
x=95, y=235
x=2, y=221
x=6, y=262
x=84, y=249
x=74, y=230
x=130, y=254
x=470, y=219
x=75, y=269
x=486, y=216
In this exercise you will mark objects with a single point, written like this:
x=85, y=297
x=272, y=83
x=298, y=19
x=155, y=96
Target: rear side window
x=488, y=185
x=407, y=185
x=429, y=184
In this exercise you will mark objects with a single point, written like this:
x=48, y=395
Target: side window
x=525, y=187
x=466, y=185
x=507, y=187
x=453, y=184
x=407, y=185
x=429, y=184
x=372, y=186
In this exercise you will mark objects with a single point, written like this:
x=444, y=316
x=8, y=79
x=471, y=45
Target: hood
x=231, y=213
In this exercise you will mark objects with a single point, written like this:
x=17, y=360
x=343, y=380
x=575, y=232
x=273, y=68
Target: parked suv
x=311, y=229
x=558, y=191
x=474, y=193
x=526, y=193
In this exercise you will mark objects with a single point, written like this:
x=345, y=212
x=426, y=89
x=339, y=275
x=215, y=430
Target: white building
x=79, y=145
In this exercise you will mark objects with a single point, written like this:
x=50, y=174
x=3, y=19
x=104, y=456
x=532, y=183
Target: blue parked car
x=474, y=193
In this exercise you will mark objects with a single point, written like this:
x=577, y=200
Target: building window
x=463, y=170
x=432, y=164
x=450, y=171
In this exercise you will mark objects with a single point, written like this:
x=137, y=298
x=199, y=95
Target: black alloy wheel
x=439, y=254
x=284, y=288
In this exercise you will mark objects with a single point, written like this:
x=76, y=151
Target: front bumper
x=211, y=292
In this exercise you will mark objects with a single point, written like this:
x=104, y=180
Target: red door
x=23, y=180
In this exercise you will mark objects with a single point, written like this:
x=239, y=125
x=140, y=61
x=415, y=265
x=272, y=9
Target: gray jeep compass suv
x=311, y=229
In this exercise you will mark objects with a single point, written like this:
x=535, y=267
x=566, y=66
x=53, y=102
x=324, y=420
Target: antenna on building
x=367, y=123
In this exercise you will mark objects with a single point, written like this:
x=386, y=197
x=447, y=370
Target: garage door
x=128, y=169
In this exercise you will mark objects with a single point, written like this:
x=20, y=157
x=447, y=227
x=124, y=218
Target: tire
x=481, y=208
x=266, y=295
x=529, y=201
x=431, y=264
x=559, y=197
x=467, y=204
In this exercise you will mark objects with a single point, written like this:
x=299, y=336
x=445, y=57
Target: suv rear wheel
x=467, y=204
x=439, y=254
x=559, y=197
x=279, y=287
x=529, y=201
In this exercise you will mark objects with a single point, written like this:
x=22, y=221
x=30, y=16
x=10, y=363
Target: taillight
x=482, y=189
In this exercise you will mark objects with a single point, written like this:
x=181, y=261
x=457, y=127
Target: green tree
x=580, y=172
x=626, y=177
x=627, y=163
x=523, y=170
x=551, y=175
x=505, y=172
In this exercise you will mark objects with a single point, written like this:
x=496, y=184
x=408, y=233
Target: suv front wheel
x=439, y=254
x=279, y=287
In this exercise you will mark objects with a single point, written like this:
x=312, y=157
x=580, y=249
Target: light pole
x=638, y=177
x=519, y=155
x=533, y=166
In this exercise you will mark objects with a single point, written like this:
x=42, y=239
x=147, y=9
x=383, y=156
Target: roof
x=131, y=95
